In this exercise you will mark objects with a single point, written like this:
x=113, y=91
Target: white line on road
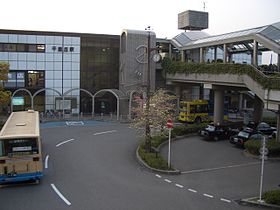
x=64, y=142
x=112, y=131
x=209, y=196
x=167, y=180
x=46, y=161
x=191, y=190
x=60, y=195
x=178, y=185
x=225, y=200
x=219, y=168
x=158, y=176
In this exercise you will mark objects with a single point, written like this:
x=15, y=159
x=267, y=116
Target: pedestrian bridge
x=228, y=76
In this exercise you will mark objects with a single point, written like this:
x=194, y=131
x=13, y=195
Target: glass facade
x=99, y=68
x=42, y=60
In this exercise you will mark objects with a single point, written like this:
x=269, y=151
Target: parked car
x=243, y=136
x=265, y=128
x=273, y=135
x=217, y=132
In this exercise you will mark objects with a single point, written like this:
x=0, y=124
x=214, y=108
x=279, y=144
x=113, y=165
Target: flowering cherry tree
x=162, y=108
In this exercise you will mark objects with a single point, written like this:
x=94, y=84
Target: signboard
x=169, y=123
x=17, y=101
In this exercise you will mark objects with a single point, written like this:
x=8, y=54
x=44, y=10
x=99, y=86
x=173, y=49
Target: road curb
x=253, y=202
x=173, y=172
x=143, y=163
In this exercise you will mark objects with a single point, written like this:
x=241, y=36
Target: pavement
x=194, y=156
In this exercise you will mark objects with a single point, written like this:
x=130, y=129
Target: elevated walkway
x=240, y=76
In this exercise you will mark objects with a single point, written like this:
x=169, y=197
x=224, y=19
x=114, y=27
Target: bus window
x=1, y=149
x=202, y=109
x=192, y=108
x=18, y=147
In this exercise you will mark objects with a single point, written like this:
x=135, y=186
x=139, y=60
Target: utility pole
x=148, y=90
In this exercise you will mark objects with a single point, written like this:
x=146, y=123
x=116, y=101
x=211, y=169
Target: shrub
x=272, y=121
x=187, y=129
x=158, y=139
x=253, y=147
x=156, y=160
x=152, y=159
x=272, y=197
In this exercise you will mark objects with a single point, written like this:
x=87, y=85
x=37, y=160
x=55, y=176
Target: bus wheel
x=197, y=120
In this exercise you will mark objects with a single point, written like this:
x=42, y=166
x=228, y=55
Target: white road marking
x=159, y=176
x=46, y=161
x=167, y=180
x=191, y=190
x=64, y=142
x=60, y=195
x=178, y=185
x=219, y=168
x=112, y=131
x=209, y=196
x=225, y=200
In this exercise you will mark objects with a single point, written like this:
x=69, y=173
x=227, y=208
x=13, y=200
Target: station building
x=99, y=73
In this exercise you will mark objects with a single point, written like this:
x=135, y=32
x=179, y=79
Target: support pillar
x=201, y=56
x=240, y=101
x=255, y=53
x=178, y=96
x=278, y=62
x=183, y=59
x=170, y=51
x=215, y=54
x=258, y=110
x=225, y=53
x=218, y=106
x=278, y=125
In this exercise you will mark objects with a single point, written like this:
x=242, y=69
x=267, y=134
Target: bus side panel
x=19, y=170
x=20, y=177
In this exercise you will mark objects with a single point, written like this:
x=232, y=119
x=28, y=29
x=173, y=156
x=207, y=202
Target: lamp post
x=148, y=89
x=156, y=58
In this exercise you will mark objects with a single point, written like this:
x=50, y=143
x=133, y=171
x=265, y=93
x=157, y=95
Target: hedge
x=253, y=147
x=272, y=197
x=172, y=67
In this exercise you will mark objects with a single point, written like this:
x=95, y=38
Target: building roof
x=268, y=36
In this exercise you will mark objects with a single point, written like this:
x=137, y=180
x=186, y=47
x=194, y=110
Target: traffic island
x=155, y=159
x=255, y=202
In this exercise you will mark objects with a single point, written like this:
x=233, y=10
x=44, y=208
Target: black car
x=217, y=132
x=243, y=136
x=265, y=128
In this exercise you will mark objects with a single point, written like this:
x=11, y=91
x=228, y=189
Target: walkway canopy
x=268, y=38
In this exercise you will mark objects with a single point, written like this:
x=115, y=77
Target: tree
x=4, y=95
x=162, y=108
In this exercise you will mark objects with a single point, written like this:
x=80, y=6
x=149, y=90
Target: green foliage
x=272, y=121
x=187, y=129
x=253, y=147
x=159, y=139
x=272, y=197
x=4, y=95
x=172, y=67
x=153, y=160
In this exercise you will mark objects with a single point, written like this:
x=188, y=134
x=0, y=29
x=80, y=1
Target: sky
x=112, y=16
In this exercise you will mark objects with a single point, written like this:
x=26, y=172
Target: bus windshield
x=18, y=147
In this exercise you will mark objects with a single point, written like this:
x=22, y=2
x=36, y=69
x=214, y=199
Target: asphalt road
x=93, y=167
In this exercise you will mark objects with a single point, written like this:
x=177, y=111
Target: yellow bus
x=198, y=111
x=194, y=111
x=20, y=148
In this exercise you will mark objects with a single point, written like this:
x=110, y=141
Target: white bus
x=20, y=148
